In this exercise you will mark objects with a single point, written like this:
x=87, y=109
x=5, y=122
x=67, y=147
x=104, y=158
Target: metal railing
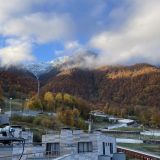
x=138, y=154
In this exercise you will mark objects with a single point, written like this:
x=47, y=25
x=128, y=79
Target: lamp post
x=10, y=106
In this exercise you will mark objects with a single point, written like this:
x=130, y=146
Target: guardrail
x=120, y=132
x=137, y=154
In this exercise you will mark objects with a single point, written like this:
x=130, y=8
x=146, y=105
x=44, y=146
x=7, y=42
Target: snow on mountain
x=83, y=59
x=42, y=67
x=59, y=61
x=37, y=68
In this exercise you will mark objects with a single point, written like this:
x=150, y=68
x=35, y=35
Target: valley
x=117, y=90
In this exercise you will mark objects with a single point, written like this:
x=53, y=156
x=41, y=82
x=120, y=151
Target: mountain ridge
x=138, y=84
x=105, y=85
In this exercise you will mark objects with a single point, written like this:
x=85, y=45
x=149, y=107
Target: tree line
x=70, y=110
x=148, y=116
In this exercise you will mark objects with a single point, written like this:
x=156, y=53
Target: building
x=4, y=120
x=77, y=145
x=126, y=121
x=99, y=114
x=113, y=119
x=64, y=145
x=25, y=133
x=11, y=146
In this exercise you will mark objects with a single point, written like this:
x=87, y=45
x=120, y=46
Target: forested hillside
x=118, y=90
x=17, y=83
x=138, y=84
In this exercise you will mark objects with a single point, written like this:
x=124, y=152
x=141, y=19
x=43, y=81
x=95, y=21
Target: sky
x=119, y=31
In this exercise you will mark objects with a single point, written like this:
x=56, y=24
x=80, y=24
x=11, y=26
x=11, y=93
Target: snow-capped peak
x=59, y=61
x=42, y=67
x=80, y=59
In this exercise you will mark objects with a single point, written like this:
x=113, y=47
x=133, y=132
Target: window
x=53, y=149
x=111, y=148
x=104, y=150
x=84, y=147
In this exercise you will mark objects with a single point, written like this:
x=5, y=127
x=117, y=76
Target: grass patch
x=128, y=129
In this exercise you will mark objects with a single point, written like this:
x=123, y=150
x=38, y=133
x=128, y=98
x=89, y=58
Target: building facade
x=77, y=145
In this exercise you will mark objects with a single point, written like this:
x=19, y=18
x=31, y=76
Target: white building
x=4, y=120
x=77, y=145
x=66, y=145
x=11, y=147
x=126, y=121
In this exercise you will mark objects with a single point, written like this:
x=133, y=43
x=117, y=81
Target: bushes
x=148, y=116
x=72, y=118
x=18, y=118
x=43, y=121
x=58, y=102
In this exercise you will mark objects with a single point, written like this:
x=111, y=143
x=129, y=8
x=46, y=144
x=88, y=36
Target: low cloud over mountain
x=123, y=32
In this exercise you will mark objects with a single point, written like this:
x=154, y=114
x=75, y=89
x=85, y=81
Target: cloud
x=70, y=48
x=28, y=20
x=127, y=31
x=39, y=27
x=15, y=8
x=72, y=45
x=15, y=52
x=137, y=41
x=77, y=55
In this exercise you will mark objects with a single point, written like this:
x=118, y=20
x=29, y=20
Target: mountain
x=137, y=84
x=80, y=60
x=37, y=68
x=44, y=67
x=16, y=82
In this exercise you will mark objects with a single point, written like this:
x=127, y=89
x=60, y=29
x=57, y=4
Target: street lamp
x=10, y=106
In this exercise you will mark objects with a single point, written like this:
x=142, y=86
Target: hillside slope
x=17, y=83
x=137, y=84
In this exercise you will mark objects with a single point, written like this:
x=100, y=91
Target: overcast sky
x=119, y=31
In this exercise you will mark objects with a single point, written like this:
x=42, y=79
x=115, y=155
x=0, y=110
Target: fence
x=137, y=154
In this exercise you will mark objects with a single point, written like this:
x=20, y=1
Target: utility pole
x=38, y=82
x=38, y=85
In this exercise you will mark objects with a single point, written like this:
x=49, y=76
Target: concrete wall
x=6, y=151
x=69, y=139
x=84, y=156
x=27, y=135
x=119, y=156
x=29, y=152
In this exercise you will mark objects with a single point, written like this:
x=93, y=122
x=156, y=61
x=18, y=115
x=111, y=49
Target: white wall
x=69, y=143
